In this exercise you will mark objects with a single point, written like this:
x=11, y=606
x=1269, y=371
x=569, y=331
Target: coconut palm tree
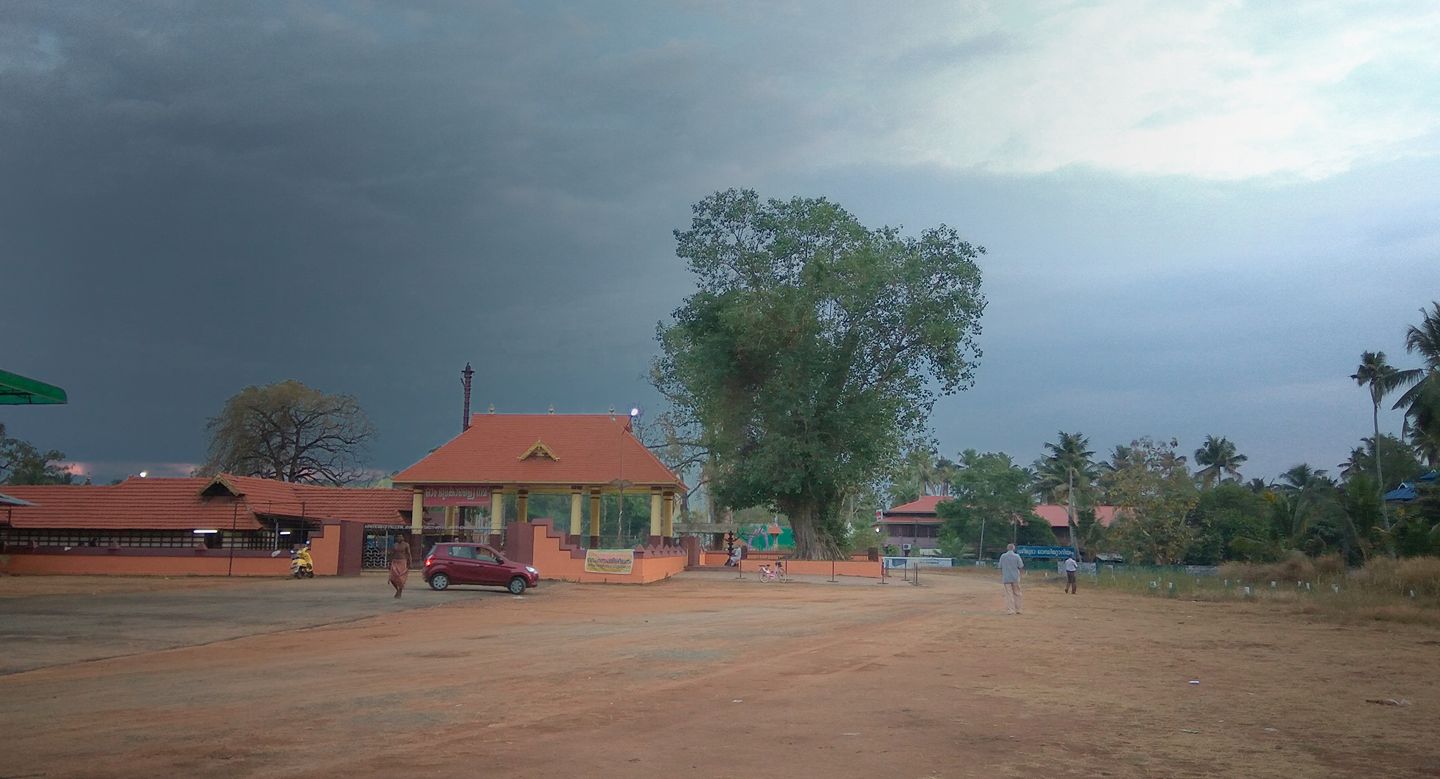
x=1299, y=493
x=1422, y=400
x=1381, y=377
x=1303, y=478
x=1427, y=446
x=944, y=475
x=1068, y=464
x=1120, y=458
x=1218, y=457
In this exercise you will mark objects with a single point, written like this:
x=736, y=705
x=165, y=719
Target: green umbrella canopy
x=17, y=390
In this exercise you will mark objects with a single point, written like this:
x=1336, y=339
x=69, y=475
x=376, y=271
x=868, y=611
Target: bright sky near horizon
x=1197, y=214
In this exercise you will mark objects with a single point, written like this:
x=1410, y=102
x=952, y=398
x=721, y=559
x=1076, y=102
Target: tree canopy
x=990, y=494
x=1154, y=492
x=810, y=355
x=21, y=462
x=291, y=432
x=1218, y=457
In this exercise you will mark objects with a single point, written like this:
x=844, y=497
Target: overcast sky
x=1197, y=214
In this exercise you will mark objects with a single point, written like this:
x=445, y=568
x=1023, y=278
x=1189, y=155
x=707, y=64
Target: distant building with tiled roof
x=916, y=525
x=226, y=515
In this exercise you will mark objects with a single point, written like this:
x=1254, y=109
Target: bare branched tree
x=291, y=432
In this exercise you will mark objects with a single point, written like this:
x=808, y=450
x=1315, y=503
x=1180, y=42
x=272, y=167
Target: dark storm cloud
x=196, y=197
x=203, y=197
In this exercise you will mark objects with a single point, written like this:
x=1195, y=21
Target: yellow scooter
x=302, y=566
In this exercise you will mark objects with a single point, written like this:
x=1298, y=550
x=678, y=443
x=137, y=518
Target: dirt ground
x=708, y=676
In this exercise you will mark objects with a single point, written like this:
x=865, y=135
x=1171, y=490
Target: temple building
x=483, y=479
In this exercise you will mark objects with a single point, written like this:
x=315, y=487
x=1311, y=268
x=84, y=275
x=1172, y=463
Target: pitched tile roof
x=583, y=449
x=134, y=504
x=190, y=503
x=924, y=505
x=923, y=512
x=1059, y=515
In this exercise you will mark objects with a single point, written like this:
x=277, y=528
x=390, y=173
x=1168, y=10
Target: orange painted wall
x=555, y=561
x=324, y=550
x=822, y=568
x=852, y=567
x=183, y=563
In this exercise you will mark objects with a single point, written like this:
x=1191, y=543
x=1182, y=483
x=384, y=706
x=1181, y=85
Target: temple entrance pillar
x=497, y=516
x=417, y=514
x=667, y=518
x=575, y=513
x=655, y=523
x=594, y=517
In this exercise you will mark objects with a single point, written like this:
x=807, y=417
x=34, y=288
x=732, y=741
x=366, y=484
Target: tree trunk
x=811, y=543
x=1379, y=477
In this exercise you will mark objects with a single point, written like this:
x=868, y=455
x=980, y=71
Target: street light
x=620, y=482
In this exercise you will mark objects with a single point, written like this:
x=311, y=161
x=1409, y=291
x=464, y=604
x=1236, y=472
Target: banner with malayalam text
x=617, y=561
x=456, y=496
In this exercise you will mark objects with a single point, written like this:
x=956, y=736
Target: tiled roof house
x=225, y=514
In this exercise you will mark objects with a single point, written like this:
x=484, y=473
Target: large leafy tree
x=811, y=352
x=1154, y=493
x=1217, y=457
x=1397, y=459
x=1229, y=521
x=989, y=494
x=291, y=432
x=21, y=462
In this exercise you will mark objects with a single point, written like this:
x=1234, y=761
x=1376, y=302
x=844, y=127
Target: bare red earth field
x=707, y=676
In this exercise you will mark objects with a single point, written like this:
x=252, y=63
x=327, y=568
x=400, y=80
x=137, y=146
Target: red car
x=453, y=562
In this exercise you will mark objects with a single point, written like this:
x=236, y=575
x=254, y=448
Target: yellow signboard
x=609, y=560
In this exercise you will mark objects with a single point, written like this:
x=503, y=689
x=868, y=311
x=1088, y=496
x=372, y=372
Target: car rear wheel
x=439, y=581
x=516, y=585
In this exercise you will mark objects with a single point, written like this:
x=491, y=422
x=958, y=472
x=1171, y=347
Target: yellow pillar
x=417, y=512
x=450, y=512
x=522, y=505
x=594, y=513
x=668, y=516
x=575, y=511
x=655, y=512
x=497, y=511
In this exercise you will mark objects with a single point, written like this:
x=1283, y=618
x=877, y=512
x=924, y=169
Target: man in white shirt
x=1010, y=567
x=1070, y=568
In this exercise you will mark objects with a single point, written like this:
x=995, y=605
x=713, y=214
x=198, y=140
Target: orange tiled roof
x=924, y=505
x=372, y=506
x=922, y=511
x=134, y=504
x=1058, y=515
x=587, y=449
x=187, y=504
